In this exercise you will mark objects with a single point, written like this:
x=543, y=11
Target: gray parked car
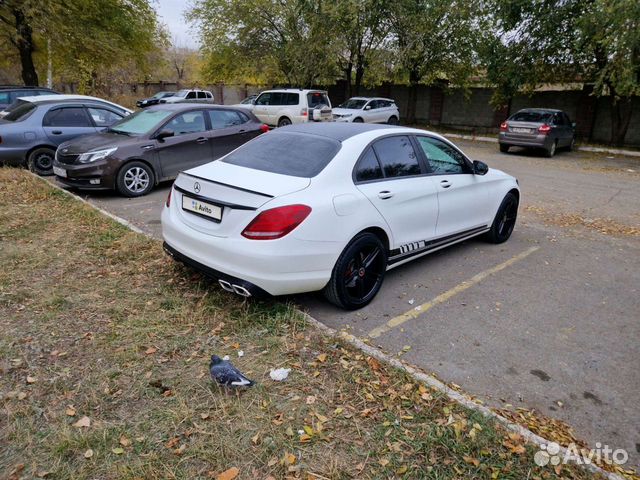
x=542, y=128
x=31, y=131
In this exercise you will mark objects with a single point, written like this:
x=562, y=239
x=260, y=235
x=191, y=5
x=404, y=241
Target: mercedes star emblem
x=196, y=187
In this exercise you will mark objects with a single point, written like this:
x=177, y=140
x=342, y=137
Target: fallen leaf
x=311, y=400
x=289, y=459
x=373, y=363
x=322, y=357
x=173, y=442
x=180, y=449
x=256, y=438
x=401, y=470
x=42, y=474
x=124, y=441
x=471, y=460
x=83, y=422
x=31, y=379
x=22, y=395
x=88, y=453
x=151, y=350
x=204, y=416
x=384, y=462
x=70, y=411
x=228, y=474
x=118, y=450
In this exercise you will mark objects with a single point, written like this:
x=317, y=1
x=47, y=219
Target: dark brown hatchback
x=153, y=145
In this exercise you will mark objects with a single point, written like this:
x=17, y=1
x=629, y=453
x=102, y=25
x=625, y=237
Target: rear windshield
x=286, y=153
x=140, y=122
x=316, y=99
x=536, y=117
x=19, y=111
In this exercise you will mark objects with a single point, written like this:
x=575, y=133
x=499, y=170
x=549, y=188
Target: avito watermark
x=549, y=454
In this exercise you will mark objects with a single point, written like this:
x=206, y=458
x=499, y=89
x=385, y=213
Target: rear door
x=189, y=145
x=391, y=175
x=463, y=198
x=64, y=123
x=229, y=130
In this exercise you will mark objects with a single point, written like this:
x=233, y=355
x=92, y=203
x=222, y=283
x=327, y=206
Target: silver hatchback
x=542, y=128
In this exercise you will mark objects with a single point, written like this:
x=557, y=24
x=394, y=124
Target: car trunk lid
x=237, y=191
x=523, y=128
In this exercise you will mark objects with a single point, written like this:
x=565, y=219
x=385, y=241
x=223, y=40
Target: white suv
x=287, y=106
x=193, y=95
x=367, y=110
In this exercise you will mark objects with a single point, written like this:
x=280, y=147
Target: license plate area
x=208, y=210
x=520, y=130
x=61, y=172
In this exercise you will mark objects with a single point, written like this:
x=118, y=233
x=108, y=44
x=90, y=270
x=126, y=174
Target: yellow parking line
x=420, y=309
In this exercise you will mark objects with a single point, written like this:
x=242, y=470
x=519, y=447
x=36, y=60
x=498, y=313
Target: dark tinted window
x=202, y=95
x=264, y=99
x=191, y=95
x=19, y=111
x=188, y=122
x=293, y=99
x=442, y=157
x=278, y=98
x=224, y=118
x=66, y=117
x=529, y=116
x=368, y=167
x=397, y=156
x=286, y=153
x=4, y=97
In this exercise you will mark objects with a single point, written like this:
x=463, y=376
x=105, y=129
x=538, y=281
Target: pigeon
x=223, y=372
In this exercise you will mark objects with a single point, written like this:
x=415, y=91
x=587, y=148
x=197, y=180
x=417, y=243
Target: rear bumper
x=13, y=156
x=538, y=141
x=278, y=267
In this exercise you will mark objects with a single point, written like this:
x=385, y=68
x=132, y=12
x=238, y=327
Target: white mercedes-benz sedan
x=332, y=207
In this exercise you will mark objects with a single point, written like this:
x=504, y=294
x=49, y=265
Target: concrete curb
x=480, y=138
x=378, y=354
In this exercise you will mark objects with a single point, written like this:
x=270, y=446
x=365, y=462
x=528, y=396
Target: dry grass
x=96, y=321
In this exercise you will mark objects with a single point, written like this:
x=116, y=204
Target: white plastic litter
x=279, y=374
x=226, y=358
x=411, y=301
x=241, y=353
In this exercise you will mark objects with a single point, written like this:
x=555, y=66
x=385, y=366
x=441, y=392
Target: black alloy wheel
x=505, y=220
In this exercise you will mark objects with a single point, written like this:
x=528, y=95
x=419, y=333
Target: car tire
x=551, y=151
x=283, y=122
x=505, y=220
x=40, y=161
x=135, y=179
x=353, y=282
x=358, y=120
x=504, y=148
x=572, y=146
x=393, y=120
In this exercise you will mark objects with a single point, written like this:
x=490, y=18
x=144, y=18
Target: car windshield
x=141, y=122
x=531, y=116
x=181, y=93
x=286, y=153
x=162, y=94
x=248, y=100
x=20, y=110
x=316, y=99
x=353, y=104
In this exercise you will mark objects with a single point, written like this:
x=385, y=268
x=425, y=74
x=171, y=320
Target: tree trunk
x=620, y=117
x=414, y=78
x=359, y=76
x=24, y=42
x=348, y=73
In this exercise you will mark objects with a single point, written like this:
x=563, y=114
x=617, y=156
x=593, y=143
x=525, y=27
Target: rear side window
x=102, y=117
x=368, y=167
x=286, y=153
x=20, y=111
x=225, y=118
x=397, y=156
x=536, y=117
x=292, y=99
x=66, y=117
x=202, y=95
x=4, y=97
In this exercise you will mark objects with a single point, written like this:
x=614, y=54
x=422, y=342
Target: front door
x=463, y=198
x=189, y=145
x=262, y=108
x=391, y=176
x=61, y=124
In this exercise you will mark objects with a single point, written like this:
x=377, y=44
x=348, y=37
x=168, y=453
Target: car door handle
x=56, y=132
x=445, y=183
x=385, y=194
x=201, y=140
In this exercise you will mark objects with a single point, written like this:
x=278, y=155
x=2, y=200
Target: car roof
x=62, y=98
x=191, y=106
x=25, y=87
x=300, y=90
x=337, y=131
x=372, y=98
x=541, y=110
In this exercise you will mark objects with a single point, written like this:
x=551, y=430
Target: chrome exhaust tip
x=226, y=285
x=243, y=292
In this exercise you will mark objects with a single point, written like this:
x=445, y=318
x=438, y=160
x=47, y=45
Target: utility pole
x=49, y=67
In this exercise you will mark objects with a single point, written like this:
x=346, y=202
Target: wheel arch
x=141, y=160
x=42, y=145
x=282, y=117
x=380, y=233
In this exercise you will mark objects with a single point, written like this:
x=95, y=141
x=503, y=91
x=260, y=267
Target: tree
x=289, y=40
x=552, y=41
x=435, y=40
x=86, y=33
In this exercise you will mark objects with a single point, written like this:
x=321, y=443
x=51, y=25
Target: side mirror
x=368, y=107
x=162, y=134
x=573, y=125
x=480, y=168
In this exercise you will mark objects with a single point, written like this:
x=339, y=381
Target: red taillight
x=168, y=202
x=276, y=222
x=544, y=129
x=0, y=139
x=504, y=126
x=303, y=112
x=264, y=128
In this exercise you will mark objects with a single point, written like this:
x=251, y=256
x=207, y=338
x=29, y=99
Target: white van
x=287, y=106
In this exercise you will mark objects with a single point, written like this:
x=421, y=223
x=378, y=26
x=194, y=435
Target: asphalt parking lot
x=549, y=320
